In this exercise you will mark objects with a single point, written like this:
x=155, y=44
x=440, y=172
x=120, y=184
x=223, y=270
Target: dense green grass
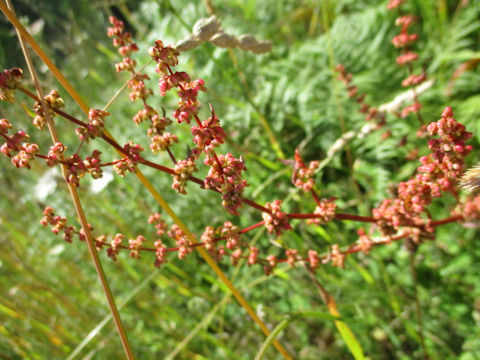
x=50, y=300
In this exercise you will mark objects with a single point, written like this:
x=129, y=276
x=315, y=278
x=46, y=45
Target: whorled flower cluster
x=22, y=153
x=326, y=210
x=276, y=221
x=123, y=40
x=403, y=41
x=129, y=162
x=302, y=176
x=53, y=101
x=437, y=174
x=225, y=175
x=95, y=125
x=10, y=80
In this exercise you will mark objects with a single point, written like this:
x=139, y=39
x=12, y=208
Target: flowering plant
x=213, y=165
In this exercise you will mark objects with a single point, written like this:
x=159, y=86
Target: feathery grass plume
x=470, y=181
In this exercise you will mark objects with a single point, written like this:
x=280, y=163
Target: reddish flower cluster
x=24, y=152
x=166, y=57
x=160, y=141
x=225, y=175
x=225, y=170
x=369, y=111
x=208, y=136
x=123, y=40
x=57, y=223
x=131, y=159
x=437, y=174
x=114, y=248
x=53, y=101
x=276, y=221
x=326, y=209
x=138, y=89
x=76, y=167
x=302, y=176
x=392, y=4
x=94, y=127
x=470, y=209
x=407, y=57
x=10, y=80
x=183, y=171
x=183, y=243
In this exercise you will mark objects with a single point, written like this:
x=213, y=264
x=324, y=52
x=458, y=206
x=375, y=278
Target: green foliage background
x=50, y=300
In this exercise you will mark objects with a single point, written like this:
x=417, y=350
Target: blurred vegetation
x=51, y=305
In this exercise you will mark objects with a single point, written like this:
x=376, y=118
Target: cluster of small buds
x=326, y=209
x=313, y=259
x=225, y=175
x=53, y=101
x=183, y=243
x=469, y=209
x=160, y=226
x=15, y=146
x=76, y=167
x=209, y=135
x=123, y=40
x=167, y=57
x=364, y=241
x=24, y=156
x=158, y=125
x=208, y=239
x=115, y=244
x=183, y=171
x=94, y=127
x=55, y=154
x=5, y=126
x=138, y=89
x=160, y=253
x=187, y=104
x=292, y=256
x=437, y=174
x=302, y=176
x=135, y=245
x=337, y=256
x=414, y=108
x=235, y=256
x=131, y=159
x=167, y=82
x=160, y=143
x=407, y=57
x=164, y=56
x=58, y=224
x=100, y=241
x=92, y=163
x=225, y=170
x=276, y=221
x=252, y=255
x=369, y=111
x=392, y=4
x=10, y=80
x=230, y=232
